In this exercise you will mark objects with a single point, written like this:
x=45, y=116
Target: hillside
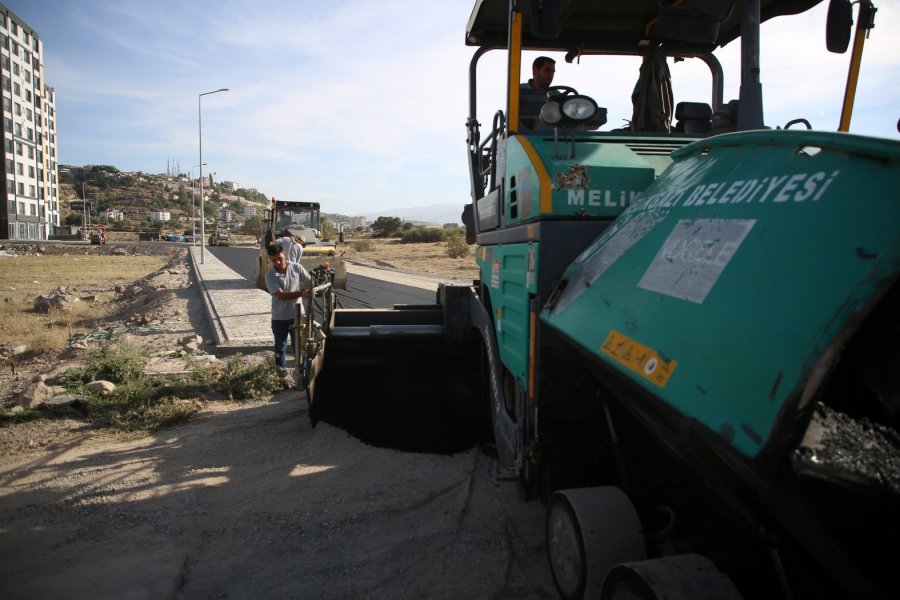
x=138, y=194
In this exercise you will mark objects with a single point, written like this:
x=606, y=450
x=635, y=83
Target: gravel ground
x=249, y=501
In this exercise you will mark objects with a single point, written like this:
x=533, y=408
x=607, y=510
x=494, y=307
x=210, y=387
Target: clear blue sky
x=358, y=104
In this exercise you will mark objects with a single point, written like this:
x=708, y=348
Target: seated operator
x=542, y=71
x=533, y=94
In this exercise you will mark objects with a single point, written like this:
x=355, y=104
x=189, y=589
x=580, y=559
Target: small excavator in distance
x=685, y=338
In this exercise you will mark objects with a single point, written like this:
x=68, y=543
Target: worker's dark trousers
x=282, y=329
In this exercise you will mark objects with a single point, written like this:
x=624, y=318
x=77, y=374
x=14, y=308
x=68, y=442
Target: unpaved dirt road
x=248, y=501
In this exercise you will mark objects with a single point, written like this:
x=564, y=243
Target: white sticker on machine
x=693, y=256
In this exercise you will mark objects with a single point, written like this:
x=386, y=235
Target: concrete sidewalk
x=240, y=314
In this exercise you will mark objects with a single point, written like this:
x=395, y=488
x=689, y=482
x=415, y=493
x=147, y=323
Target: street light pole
x=193, y=217
x=200, y=136
x=84, y=225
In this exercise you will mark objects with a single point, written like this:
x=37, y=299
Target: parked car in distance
x=98, y=237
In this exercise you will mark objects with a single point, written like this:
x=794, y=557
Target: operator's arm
x=283, y=295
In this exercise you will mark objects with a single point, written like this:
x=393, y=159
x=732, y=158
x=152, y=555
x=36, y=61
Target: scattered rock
x=36, y=393
x=195, y=338
x=102, y=386
x=59, y=299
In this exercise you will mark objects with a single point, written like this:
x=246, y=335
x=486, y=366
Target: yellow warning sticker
x=639, y=358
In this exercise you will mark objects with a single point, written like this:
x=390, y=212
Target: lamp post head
x=214, y=91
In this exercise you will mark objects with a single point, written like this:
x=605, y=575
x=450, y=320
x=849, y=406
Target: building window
x=19, y=148
x=30, y=152
x=10, y=165
x=17, y=89
x=20, y=189
x=32, y=207
x=30, y=171
x=7, y=125
x=9, y=145
x=21, y=207
x=20, y=168
x=32, y=194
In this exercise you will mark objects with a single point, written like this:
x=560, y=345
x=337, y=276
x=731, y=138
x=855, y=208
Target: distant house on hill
x=160, y=215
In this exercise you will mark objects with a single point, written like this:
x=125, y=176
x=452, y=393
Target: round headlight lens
x=579, y=108
x=550, y=113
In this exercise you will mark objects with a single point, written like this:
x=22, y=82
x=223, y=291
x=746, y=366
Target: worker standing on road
x=286, y=282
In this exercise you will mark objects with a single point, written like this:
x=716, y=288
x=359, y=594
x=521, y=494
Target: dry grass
x=25, y=277
x=420, y=258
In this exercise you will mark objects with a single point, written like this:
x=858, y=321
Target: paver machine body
x=686, y=334
x=301, y=221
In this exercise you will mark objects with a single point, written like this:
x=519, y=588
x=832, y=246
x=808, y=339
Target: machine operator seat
x=693, y=118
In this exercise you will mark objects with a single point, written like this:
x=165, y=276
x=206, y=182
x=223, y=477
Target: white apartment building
x=160, y=215
x=30, y=210
x=112, y=214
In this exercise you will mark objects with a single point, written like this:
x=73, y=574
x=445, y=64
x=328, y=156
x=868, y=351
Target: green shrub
x=422, y=235
x=118, y=361
x=362, y=245
x=243, y=381
x=456, y=245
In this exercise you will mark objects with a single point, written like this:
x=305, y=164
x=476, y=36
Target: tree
x=253, y=226
x=387, y=226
